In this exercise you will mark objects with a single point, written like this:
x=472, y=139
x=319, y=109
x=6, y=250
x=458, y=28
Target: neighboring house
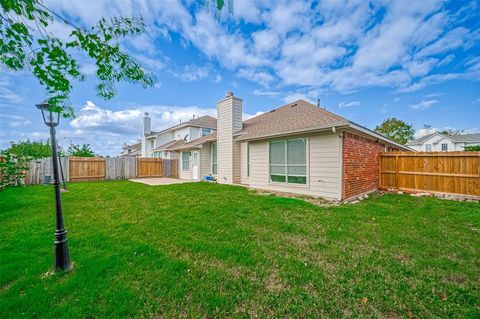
x=297, y=148
x=132, y=150
x=439, y=142
x=159, y=144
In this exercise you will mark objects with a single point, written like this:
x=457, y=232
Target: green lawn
x=213, y=251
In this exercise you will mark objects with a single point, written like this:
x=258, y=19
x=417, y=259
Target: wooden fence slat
x=445, y=172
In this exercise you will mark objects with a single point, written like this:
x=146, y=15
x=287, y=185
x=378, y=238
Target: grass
x=213, y=251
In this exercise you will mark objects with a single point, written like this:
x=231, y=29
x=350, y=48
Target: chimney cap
x=229, y=93
x=146, y=114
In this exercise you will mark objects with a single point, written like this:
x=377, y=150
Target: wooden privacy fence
x=81, y=169
x=444, y=172
x=156, y=167
x=87, y=169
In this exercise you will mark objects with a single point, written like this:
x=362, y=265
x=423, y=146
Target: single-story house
x=297, y=148
x=438, y=142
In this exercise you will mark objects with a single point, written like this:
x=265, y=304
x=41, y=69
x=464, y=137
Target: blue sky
x=368, y=61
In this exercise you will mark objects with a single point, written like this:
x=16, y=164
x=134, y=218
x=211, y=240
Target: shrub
x=473, y=148
x=12, y=169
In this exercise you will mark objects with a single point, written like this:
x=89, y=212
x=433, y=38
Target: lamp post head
x=50, y=117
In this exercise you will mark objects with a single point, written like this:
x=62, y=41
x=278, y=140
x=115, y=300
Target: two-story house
x=437, y=142
x=160, y=144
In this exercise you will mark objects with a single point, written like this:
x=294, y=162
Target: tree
x=30, y=149
x=81, y=151
x=452, y=132
x=26, y=43
x=396, y=130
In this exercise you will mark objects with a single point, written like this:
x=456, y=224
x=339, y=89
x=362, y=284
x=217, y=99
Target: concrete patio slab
x=154, y=181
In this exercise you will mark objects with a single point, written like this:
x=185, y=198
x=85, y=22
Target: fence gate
x=87, y=169
x=149, y=167
x=445, y=172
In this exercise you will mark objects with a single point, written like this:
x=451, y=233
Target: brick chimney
x=229, y=122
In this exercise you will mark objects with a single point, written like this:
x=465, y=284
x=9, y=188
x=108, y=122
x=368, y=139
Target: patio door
x=195, y=165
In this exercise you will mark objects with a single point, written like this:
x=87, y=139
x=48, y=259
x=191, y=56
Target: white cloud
x=348, y=104
x=425, y=131
x=258, y=92
x=192, y=73
x=423, y=105
x=218, y=78
x=336, y=45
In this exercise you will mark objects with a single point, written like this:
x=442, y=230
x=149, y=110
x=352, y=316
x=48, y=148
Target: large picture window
x=214, y=158
x=185, y=161
x=288, y=161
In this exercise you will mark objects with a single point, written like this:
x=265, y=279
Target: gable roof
x=197, y=142
x=421, y=140
x=206, y=121
x=467, y=138
x=294, y=117
x=169, y=146
x=463, y=138
x=301, y=117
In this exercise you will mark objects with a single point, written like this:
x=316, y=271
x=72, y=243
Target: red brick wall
x=361, y=160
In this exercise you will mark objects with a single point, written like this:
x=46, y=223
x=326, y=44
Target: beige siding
x=323, y=167
x=243, y=163
x=229, y=121
x=205, y=160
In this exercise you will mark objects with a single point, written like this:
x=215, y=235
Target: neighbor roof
x=169, y=146
x=463, y=138
x=419, y=141
x=198, y=142
x=133, y=147
x=467, y=138
x=204, y=121
x=296, y=116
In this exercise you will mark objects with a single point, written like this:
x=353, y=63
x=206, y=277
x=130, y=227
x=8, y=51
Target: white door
x=195, y=166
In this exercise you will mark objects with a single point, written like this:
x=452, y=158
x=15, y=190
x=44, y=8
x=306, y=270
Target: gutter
x=295, y=132
x=378, y=136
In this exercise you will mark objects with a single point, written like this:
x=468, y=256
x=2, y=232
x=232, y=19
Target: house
x=439, y=142
x=297, y=148
x=159, y=144
x=131, y=150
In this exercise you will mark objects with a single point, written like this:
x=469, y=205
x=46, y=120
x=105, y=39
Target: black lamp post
x=62, y=260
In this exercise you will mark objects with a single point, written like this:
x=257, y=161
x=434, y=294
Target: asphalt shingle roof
x=467, y=138
x=198, y=142
x=296, y=116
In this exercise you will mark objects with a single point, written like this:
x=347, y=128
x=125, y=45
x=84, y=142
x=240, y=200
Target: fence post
x=397, y=177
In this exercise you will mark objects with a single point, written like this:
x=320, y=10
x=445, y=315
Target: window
x=152, y=143
x=428, y=147
x=206, y=131
x=158, y=154
x=248, y=159
x=214, y=158
x=444, y=147
x=185, y=161
x=288, y=161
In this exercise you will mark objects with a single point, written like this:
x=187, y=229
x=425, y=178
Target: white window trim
x=446, y=147
x=183, y=167
x=211, y=159
x=307, y=164
x=248, y=159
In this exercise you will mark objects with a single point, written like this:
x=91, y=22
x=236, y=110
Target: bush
x=12, y=169
x=473, y=148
